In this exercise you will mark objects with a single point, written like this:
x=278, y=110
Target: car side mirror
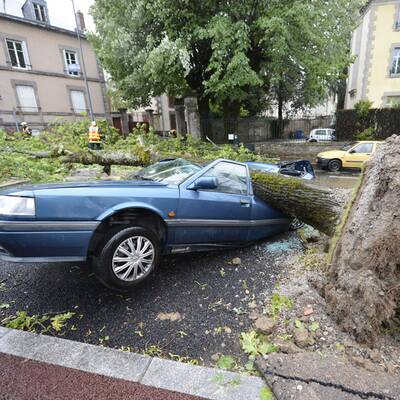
x=352, y=151
x=204, y=183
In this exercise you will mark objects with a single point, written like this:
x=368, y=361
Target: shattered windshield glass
x=171, y=172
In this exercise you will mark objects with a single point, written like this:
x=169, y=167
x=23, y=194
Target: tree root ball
x=363, y=289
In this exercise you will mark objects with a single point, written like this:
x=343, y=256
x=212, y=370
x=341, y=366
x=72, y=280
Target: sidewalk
x=44, y=367
x=24, y=379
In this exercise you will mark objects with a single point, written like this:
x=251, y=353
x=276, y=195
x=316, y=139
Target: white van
x=322, y=135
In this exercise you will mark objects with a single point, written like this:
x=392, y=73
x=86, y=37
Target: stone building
x=41, y=71
x=375, y=73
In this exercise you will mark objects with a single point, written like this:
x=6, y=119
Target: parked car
x=351, y=155
x=123, y=227
x=322, y=135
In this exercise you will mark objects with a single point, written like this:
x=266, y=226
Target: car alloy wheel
x=133, y=259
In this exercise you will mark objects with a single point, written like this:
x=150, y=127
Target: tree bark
x=363, y=290
x=204, y=112
x=314, y=206
x=280, y=110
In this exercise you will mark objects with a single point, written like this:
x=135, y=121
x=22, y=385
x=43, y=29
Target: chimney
x=80, y=21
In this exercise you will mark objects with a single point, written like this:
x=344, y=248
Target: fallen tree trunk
x=88, y=157
x=315, y=206
x=293, y=196
x=363, y=290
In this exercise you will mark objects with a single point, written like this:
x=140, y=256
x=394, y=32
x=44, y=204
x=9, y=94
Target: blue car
x=124, y=227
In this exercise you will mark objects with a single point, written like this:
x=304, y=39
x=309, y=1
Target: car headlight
x=13, y=205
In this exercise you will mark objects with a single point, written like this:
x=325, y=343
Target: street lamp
x=83, y=64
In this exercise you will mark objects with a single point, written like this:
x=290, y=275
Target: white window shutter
x=26, y=55
x=78, y=101
x=27, y=98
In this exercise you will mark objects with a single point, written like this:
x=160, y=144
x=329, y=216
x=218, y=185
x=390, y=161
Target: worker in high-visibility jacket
x=94, y=136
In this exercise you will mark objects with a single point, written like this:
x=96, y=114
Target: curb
x=208, y=383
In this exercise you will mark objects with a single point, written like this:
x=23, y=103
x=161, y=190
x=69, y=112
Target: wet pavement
x=339, y=180
x=194, y=307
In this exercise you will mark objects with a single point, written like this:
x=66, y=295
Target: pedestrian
x=26, y=129
x=94, y=137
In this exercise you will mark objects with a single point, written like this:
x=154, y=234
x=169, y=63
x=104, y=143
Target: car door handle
x=245, y=202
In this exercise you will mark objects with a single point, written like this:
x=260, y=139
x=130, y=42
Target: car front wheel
x=335, y=165
x=127, y=257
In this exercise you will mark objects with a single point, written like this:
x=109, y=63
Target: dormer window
x=40, y=12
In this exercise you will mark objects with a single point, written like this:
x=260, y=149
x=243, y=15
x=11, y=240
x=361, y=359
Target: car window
x=232, y=178
x=363, y=148
x=170, y=172
x=321, y=132
x=348, y=146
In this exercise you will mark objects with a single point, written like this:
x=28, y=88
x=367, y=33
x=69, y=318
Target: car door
x=220, y=215
x=358, y=155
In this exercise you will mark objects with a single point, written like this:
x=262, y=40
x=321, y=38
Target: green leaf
x=250, y=342
x=4, y=306
x=60, y=320
x=298, y=324
x=226, y=362
x=266, y=394
x=314, y=327
x=267, y=348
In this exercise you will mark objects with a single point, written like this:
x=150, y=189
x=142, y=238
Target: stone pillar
x=150, y=117
x=193, y=117
x=180, y=117
x=125, y=121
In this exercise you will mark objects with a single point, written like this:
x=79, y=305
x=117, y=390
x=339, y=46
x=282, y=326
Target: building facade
x=375, y=73
x=41, y=71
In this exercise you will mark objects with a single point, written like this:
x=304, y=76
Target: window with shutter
x=27, y=98
x=78, y=101
x=18, y=53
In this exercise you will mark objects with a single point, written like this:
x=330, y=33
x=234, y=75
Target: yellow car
x=352, y=155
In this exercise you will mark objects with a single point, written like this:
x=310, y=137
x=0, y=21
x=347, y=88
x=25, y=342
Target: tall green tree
x=223, y=51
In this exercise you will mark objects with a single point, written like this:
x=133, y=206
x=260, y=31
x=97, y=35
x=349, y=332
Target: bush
x=367, y=134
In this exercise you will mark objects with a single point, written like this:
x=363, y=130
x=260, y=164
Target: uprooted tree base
x=363, y=290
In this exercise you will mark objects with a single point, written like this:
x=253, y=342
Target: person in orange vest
x=94, y=137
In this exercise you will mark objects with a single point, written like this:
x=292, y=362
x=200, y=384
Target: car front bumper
x=45, y=241
x=322, y=162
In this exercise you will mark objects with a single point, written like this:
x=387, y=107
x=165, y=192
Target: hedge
x=385, y=121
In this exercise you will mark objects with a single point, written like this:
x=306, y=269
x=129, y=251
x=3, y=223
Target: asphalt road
x=212, y=296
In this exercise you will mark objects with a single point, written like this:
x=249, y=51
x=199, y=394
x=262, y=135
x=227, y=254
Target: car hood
x=332, y=154
x=29, y=190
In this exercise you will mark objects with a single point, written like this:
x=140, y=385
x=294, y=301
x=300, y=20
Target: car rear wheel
x=127, y=257
x=335, y=165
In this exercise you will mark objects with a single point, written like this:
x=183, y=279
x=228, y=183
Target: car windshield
x=171, y=172
x=348, y=146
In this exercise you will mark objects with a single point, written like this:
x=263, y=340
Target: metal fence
x=253, y=130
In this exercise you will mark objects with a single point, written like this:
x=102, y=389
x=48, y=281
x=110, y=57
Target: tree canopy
x=224, y=51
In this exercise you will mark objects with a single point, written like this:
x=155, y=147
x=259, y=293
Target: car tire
x=334, y=165
x=313, y=141
x=119, y=264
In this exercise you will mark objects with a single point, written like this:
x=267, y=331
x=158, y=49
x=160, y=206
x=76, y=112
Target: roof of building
x=38, y=24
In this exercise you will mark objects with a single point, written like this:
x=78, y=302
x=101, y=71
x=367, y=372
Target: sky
x=60, y=11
